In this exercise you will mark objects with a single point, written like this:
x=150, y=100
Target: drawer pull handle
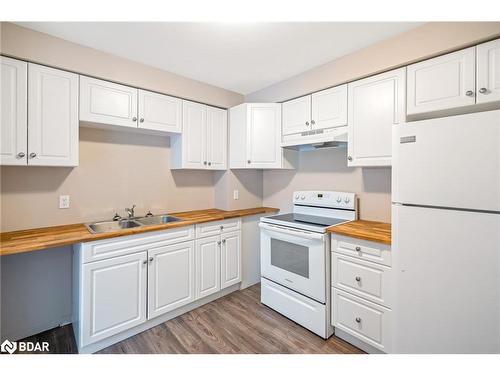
x=358, y=278
x=358, y=320
x=358, y=248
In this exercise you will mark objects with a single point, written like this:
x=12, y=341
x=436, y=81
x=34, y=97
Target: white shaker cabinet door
x=442, y=83
x=230, y=259
x=160, y=112
x=375, y=105
x=488, y=71
x=107, y=103
x=14, y=125
x=216, y=138
x=114, y=296
x=297, y=115
x=264, y=136
x=207, y=266
x=52, y=117
x=329, y=108
x=194, y=130
x=170, y=278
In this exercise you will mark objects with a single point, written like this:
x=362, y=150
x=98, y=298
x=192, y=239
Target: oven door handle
x=293, y=232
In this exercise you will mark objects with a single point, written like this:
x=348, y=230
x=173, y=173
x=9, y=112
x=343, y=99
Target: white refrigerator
x=446, y=235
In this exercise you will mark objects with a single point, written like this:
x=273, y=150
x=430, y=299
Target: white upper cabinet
x=14, y=106
x=488, y=71
x=375, y=105
x=203, y=142
x=52, y=117
x=107, y=103
x=159, y=112
x=442, y=83
x=329, y=108
x=170, y=278
x=255, y=137
x=216, y=138
x=297, y=115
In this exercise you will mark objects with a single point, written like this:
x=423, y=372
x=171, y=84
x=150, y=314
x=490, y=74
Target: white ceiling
x=242, y=57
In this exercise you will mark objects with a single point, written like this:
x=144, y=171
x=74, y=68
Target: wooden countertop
x=365, y=230
x=23, y=241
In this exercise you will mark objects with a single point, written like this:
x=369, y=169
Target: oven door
x=295, y=259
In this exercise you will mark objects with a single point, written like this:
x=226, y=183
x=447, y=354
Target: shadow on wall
x=34, y=179
x=377, y=180
x=122, y=136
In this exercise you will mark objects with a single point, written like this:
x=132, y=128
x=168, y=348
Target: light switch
x=64, y=201
x=236, y=194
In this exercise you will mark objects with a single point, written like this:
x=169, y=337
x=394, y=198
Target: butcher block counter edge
x=23, y=241
x=366, y=230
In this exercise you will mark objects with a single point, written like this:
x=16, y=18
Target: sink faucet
x=130, y=212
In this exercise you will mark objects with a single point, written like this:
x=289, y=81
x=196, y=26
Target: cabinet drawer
x=217, y=227
x=361, y=249
x=97, y=250
x=365, y=279
x=365, y=320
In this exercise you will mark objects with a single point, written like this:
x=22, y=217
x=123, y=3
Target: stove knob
x=297, y=197
x=347, y=200
x=302, y=197
x=339, y=199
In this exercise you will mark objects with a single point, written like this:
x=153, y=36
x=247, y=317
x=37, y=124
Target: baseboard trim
x=356, y=342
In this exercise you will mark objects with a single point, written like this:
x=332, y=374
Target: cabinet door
x=194, y=135
x=230, y=273
x=216, y=138
x=442, y=83
x=107, y=103
x=160, y=112
x=207, y=266
x=375, y=105
x=52, y=117
x=329, y=108
x=114, y=296
x=297, y=115
x=264, y=136
x=170, y=278
x=14, y=125
x=488, y=71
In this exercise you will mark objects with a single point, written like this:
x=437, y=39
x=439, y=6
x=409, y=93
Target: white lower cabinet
x=170, y=278
x=126, y=284
x=113, y=296
x=362, y=292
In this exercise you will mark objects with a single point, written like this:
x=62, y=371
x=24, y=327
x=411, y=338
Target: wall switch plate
x=64, y=201
x=236, y=194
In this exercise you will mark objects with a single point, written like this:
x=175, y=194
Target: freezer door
x=447, y=277
x=448, y=162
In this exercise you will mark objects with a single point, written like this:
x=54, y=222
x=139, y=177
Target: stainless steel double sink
x=112, y=226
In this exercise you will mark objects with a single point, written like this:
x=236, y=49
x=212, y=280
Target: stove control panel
x=333, y=199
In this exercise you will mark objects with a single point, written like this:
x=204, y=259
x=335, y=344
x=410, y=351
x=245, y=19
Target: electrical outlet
x=236, y=194
x=64, y=201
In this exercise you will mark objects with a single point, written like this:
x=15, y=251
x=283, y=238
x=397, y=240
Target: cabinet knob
x=21, y=155
x=307, y=123
x=204, y=163
x=358, y=320
x=224, y=240
x=313, y=122
x=221, y=227
x=209, y=163
x=349, y=158
x=483, y=90
x=33, y=155
x=249, y=161
x=218, y=243
x=141, y=120
x=358, y=278
x=469, y=93
x=145, y=262
x=150, y=259
x=358, y=248
x=134, y=119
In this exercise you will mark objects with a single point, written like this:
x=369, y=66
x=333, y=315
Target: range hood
x=316, y=139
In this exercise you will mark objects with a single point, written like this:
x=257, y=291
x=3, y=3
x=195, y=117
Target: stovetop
x=303, y=221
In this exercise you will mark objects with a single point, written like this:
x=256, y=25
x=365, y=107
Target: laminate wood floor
x=236, y=323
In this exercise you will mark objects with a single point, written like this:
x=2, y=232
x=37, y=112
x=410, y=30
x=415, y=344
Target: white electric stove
x=295, y=257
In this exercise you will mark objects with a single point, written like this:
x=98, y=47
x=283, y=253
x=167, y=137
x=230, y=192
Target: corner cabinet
x=255, y=138
x=45, y=100
x=375, y=104
x=203, y=143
